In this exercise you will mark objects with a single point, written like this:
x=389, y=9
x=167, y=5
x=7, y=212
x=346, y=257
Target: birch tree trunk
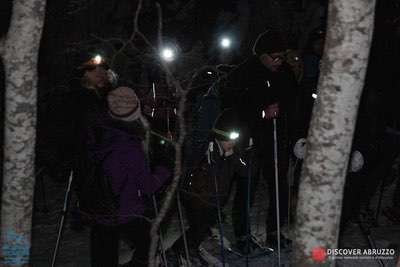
x=350, y=26
x=20, y=53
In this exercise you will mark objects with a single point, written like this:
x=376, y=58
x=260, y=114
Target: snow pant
x=262, y=161
x=104, y=243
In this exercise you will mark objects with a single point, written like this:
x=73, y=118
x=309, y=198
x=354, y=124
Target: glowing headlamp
x=168, y=54
x=97, y=59
x=229, y=135
x=233, y=135
x=225, y=42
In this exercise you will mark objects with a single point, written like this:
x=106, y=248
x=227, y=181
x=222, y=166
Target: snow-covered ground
x=74, y=247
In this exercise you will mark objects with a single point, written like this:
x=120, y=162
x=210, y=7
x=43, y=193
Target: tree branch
x=154, y=232
x=133, y=35
x=136, y=18
x=170, y=192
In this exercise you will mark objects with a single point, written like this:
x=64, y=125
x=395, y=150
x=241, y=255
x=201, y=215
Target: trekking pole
x=277, y=191
x=64, y=214
x=178, y=199
x=221, y=229
x=161, y=235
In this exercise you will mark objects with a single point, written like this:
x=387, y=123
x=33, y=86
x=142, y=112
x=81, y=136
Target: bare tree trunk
x=20, y=54
x=350, y=25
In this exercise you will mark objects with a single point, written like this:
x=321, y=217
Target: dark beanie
x=269, y=41
x=225, y=124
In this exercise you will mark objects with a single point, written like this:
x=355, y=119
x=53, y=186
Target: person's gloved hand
x=356, y=161
x=112, y=77
x=300, y=148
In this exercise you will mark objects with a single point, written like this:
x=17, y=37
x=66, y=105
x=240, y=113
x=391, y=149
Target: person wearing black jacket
x=66, y=113
x=206, y=186
x=66, y=118
x=262, y=89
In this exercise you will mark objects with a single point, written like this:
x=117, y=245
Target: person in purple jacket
x=114, y=199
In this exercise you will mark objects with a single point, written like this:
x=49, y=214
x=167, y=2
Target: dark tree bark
x=19, y=51
x=350, y=26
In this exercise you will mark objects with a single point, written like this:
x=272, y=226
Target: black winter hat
x=269, y=41
x=226, y=126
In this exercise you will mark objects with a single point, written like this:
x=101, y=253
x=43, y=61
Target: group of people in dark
x=261, y=111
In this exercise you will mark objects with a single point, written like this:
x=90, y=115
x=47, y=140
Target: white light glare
x=314, y=96
x=168, y=54
x=97, y=59
x=233, y=135
x=226, y=42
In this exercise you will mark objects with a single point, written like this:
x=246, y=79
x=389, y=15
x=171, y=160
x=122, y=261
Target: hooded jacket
x=116, y=149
